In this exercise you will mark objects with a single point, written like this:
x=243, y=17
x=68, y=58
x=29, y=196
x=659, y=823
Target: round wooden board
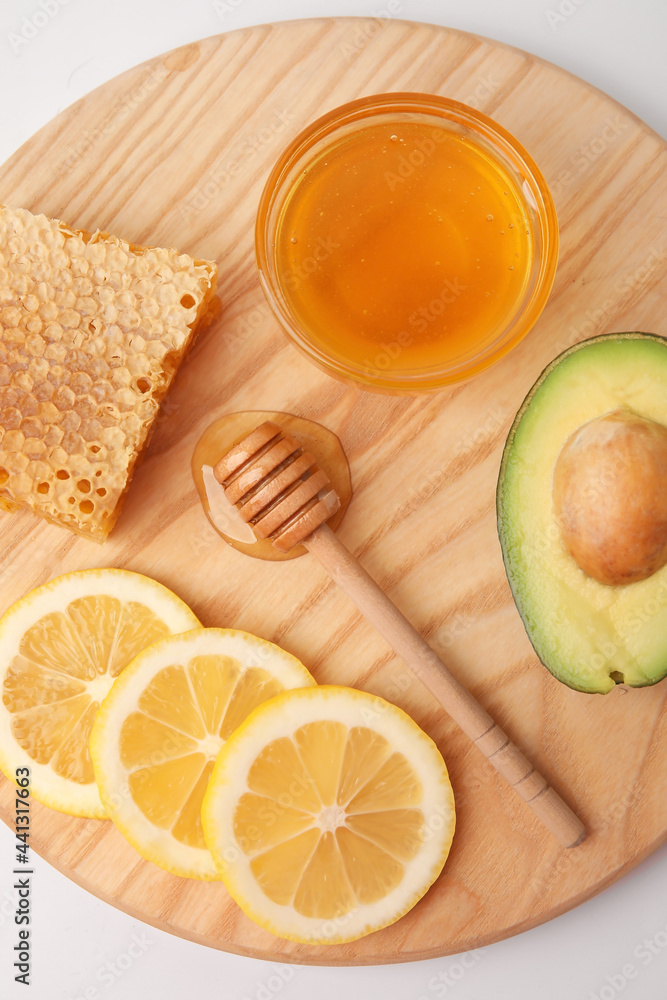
x=175, y=152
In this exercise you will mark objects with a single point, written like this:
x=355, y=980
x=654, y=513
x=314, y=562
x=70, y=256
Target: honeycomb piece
x=92, y=331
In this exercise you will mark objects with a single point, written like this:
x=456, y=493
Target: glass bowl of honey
x=406, y=242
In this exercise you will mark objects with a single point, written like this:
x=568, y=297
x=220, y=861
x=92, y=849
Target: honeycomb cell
x=126, y=300
x=101, y=390
x=90, y=430
x=104, y=295
x=125, y=400
x=64, y=398
x=23, y=380
x=129, y=319
x=34, y=447
x=58, y=259
x=121, y=376
x=100, y=276
x=38, y=251
x=95, y=326
x=46, y=410
x=39, y=470
x=96, y=254
x=42, y=289
x=30, y=302
x=10, y=316
x=8, y=396
x=131, y=423
x=65, y=298
x=79, y=265
x=34, y=324
x=35, y=345
x=15, y=359
x=147, y=306
x=53, y=333
x=136, y=344
x=70, y=318
x=12, y=441
x=20, y=462
x=40, y=271
x=109, y=415
x=73, y=443
x=86, y=305
x=86, y=406
x=20, y=283
x=80, y=383
x=137, y=364
x=82, y=286
x=117, y=259
x=11, y=418
x=20, y=484
x=57, y=353
x=70, y=421
x=154, y=332
x=112, y=437
x=39, y=369
x=91, y=334
x=97, y=367
x=20, y=265
x=54, y=436
x=32, y=427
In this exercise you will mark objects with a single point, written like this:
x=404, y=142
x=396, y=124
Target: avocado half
x=588, y=634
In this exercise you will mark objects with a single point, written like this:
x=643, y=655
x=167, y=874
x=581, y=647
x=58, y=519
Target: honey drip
x=222, y=435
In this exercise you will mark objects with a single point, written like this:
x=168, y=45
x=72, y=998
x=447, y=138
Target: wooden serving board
x=176, y=152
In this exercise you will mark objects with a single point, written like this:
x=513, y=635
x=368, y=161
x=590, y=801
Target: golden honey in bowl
x=406, y=242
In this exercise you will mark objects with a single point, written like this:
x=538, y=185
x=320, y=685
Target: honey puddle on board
x=404, y=247
x=222, y=435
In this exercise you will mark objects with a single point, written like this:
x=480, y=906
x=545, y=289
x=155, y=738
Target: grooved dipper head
x=277, y=486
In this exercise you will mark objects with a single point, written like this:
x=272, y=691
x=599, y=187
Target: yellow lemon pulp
x=161, y=727
x=335, y=826
x=61, y=649
x=356, y=818
x=168, y=745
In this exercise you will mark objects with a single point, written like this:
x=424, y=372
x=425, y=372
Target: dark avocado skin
x=632, y=335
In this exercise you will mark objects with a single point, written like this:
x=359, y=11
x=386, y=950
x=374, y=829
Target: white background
x=84, y=948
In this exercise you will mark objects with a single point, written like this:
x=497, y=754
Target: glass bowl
x=405, y=242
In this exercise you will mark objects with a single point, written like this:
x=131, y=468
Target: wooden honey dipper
x=279, y=490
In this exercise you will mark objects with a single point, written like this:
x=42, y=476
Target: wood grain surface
x=175, y=152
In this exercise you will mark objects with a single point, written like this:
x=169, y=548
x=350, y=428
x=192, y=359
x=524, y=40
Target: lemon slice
x=61, y=647
x=329, y=814
x=161, y=727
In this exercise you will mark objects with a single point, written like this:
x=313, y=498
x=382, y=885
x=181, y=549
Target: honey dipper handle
x=474, y=720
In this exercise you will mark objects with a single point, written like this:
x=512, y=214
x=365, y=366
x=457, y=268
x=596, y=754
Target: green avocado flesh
x=589, y=635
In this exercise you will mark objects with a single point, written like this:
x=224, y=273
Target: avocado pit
x=610, y=497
